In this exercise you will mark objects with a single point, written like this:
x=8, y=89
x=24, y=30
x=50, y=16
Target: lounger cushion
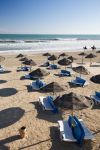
x=53, y=66
x=50, y=100
x=97, y=94
x=65, y=71
x=80, y=80
x=77, y=129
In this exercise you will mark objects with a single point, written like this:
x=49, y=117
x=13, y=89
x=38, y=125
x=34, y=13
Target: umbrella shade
x=73, y=101
x=63, y=55
x=98, y=51
x=52, y=87
x=39, y=73
x=52, y=58
x=90, y=56
x=24, y=59
x=20, y=55
x=81, y=70
x=96, y=79
x=2, y=58
x=82, y=54
x=29, y=62
x=46, y=54
x=64, y=62
x=71, y=58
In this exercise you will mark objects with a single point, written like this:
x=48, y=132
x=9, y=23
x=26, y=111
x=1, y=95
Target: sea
x=37, y=43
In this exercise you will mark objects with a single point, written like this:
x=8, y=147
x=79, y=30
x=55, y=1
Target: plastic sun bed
x=23, y=68
x=66, y=73
x=37, y=86
x=2, y=69
x=53, y=66
x=47, y=105
x=79, y=81
x=66, y=132
x=96, y=98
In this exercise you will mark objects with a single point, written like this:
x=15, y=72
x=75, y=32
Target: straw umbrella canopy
x=38, y=73
x=24, y=59
x=81, y=70
x=63, y=55
x=84, y=48
x=90, y=56
x=29, y=62
x=93, y=47
x=71, y=58
x=2, y=58
x=82, y=54
x=19, y=55
x=53, y=58
x=52, y=87
x=73, y=101
x=47, y=54
x=64, y=62
x=96, y=79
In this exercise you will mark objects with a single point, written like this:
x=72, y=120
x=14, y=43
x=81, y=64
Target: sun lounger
x=79, y=81
x=37, y=84
x=2, y=69
x=25, y=68
x=47, y=103
x=66, y=73
x=66, y=131
x=46, y=64
x=53, y=66
x=95, y=98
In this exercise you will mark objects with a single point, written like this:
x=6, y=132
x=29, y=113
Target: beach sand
x=19, y=107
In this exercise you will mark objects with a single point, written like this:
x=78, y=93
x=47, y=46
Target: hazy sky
x=50, y=16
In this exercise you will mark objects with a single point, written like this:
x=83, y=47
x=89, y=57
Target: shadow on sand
x=10, y=115
x=2, y=81
x=58, y=144
x=46, y=115
x=5, y=72
x=7, y=92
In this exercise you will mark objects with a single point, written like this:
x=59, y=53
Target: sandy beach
x=20, y=107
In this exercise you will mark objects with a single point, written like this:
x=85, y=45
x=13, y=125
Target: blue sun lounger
x=66, y=73
x=79, y=81
x=2, y=69
x=95, y=98
x=74, y=130
x=53, y=66
x=47, y=104
x=25, y=68
x=36, y=85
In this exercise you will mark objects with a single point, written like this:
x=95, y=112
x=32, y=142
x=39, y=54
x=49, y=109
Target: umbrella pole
x=82, y=59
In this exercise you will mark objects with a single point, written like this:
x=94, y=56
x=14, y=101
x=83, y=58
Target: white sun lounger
x=44, y=103
x=66, y=133
x=2, y=69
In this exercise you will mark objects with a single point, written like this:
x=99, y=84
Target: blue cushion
x=53, y=66
x=97, y=94
x=65, y=71
x=80, y=80
x=77, y=129
x=50, y=100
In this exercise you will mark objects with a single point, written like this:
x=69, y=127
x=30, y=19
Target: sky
x=50, y=16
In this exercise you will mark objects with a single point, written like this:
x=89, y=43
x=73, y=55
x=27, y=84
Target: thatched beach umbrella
x=71, y=58
x=29, y=62
x=53, y=58
x=19, y=55
x=90, y=56
x=63, y=55
x=81, y=70
x=96, y=79
x=38, y=73
x=84, y=48
x=93, y=47
x=64, y=62
x=82, y=54
x=47, y=54
x=2, y=58
x=52, y=87
x=24, y=59
x=73, y=101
